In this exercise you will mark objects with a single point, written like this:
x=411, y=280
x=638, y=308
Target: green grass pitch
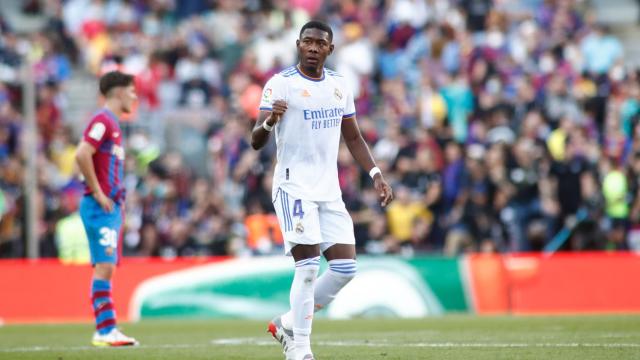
x=447, y=337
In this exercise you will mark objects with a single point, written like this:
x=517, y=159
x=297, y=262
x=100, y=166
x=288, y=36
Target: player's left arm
x=360, y=151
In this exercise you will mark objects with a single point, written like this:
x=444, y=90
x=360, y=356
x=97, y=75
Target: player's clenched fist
x=278, y=109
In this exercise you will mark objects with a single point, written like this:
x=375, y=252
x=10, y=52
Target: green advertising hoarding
x=258, y=288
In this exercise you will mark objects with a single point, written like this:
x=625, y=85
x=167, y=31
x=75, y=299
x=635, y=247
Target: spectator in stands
x=407, y=217
x=263, y=231
x=601, y=50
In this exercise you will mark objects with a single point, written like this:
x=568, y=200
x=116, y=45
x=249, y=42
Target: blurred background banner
x=256, y=288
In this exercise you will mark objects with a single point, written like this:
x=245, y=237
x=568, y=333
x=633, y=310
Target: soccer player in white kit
x=309, y=107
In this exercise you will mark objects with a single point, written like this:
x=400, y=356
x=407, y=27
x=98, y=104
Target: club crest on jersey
x=306, y=93
x=118, y=151
x=267, y=95
x=337, y=94
x=299, y=228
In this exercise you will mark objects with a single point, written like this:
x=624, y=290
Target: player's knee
x=104, y=271
x=343, y=268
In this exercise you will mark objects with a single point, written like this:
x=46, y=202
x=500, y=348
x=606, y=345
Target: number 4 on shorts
x=297, y=209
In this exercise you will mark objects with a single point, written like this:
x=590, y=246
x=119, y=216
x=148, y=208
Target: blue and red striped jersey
x=104, y=134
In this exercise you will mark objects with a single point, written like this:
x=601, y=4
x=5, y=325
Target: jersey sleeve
x=97, y=131
x=273, y=90
x=349, y=106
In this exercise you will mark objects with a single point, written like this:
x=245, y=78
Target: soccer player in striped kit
x=100, y=158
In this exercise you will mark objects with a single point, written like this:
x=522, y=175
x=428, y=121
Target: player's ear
x=298, y=43
x=331, y=49
x=118, y=92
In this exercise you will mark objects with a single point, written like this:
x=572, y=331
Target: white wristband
x=267, y=127
x=374, y=171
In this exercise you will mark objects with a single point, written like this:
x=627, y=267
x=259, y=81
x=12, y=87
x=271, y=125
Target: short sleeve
x=273, y=90
x=349, y=106
x=97, y=131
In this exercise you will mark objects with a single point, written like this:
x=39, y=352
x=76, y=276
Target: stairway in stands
x=81, y=92
x=622, y=16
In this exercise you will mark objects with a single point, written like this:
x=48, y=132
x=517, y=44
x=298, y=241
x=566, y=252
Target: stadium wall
x=49, y=291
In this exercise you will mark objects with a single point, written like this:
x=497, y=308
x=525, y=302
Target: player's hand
x=386, y=194
x=105, y=202
x=278, y=109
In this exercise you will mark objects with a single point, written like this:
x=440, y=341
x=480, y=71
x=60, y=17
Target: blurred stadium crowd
x=500, y=123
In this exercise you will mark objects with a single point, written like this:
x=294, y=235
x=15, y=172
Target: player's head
x=116, y=85
x=314, y=44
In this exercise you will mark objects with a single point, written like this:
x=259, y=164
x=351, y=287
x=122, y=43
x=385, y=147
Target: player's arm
x=360, y=151
x=266, y=121
x=84, y=159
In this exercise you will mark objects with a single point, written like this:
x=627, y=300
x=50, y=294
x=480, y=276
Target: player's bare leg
x=104, y=271
x=340, y=251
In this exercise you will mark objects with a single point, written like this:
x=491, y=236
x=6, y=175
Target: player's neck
x=111, y=106
x=315, y=73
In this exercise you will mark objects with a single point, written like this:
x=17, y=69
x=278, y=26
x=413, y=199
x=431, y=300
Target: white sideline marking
x=262, y=342
x=74, y=348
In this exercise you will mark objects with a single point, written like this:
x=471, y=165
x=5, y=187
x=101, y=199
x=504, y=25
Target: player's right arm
x=84, y=158
x=271, y=111
x=266, y=121
x=95, y=134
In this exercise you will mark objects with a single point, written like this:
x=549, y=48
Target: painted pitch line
x=76, y=348
x=261, y=342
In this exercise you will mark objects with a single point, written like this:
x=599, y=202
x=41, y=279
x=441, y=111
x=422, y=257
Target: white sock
x=301, y=299
x=340, y=272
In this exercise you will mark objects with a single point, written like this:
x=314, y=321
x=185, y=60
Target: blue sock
x=103, y=309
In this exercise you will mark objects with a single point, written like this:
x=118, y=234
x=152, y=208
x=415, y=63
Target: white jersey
x=308, y=134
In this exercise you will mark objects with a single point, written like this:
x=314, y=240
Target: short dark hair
x=114, y=79
x=315, y=24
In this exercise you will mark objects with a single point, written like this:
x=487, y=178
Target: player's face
x=128, y=98
x=314, y=46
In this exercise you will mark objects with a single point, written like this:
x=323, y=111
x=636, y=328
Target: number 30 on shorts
x=108, y=237
x=297, y=209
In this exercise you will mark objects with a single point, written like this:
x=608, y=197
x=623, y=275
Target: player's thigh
x=103, y=230
x=336, y=226
x=298, y=220
x=333, y=251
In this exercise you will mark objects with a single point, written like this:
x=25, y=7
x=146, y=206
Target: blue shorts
x=103, y=230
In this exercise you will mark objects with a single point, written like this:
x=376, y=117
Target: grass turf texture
x=448, y=337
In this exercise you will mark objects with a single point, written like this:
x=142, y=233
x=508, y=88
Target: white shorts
x=312, y=222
